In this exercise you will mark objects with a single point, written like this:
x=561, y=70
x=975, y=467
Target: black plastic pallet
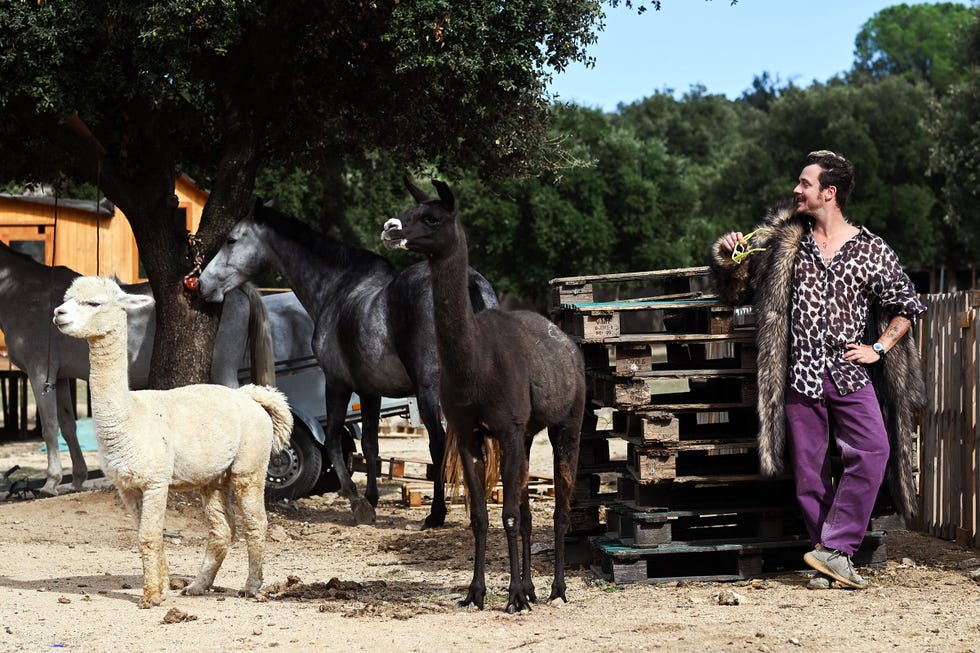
x=651, y=528
x=722, y=561
x=714, y=493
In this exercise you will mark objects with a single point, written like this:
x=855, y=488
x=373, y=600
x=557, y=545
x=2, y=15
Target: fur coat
x=765, y=281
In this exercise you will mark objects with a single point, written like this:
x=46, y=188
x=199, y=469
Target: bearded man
x=833, y=311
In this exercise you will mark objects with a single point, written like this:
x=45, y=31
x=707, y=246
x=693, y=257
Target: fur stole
x=764, y=280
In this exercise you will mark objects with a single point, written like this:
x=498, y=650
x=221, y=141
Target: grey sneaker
x=819, y=582
x=835, y=564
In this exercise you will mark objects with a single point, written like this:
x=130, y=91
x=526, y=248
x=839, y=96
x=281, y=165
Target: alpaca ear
x=445, y=194
x=417, y=193
x=135, y=302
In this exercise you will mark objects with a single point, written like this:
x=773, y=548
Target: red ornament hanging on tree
x=191, y=279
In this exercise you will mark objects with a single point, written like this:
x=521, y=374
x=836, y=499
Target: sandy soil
x=70, y=578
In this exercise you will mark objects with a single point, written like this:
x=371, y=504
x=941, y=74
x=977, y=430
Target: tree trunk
x=186, y=324
x=144, y=190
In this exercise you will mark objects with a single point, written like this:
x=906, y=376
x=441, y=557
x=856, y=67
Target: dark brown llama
x=505, y=375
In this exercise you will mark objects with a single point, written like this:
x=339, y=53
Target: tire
x=294, y=471
x=328, y=481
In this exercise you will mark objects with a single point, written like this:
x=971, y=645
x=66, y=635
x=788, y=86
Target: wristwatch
x=879, y=349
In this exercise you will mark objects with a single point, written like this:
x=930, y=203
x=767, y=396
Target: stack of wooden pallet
x=677, y=368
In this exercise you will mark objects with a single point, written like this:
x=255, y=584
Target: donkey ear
x=445, y=194
x=417, y=193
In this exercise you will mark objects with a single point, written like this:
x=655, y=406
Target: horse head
x=429, y=227
x=242, y=256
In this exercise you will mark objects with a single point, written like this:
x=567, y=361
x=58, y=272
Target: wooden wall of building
x=86, y=240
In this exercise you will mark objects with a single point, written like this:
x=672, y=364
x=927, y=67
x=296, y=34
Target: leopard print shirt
x=830, y=304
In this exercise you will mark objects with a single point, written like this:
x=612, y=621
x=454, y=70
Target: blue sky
x=723, y=47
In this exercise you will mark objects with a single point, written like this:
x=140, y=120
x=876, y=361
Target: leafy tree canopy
x=127, y=93
x=918, y=41
x=955, y=132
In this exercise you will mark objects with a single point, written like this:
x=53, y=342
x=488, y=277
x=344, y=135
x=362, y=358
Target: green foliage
x=458, y=83
x=125, y=94
x=879, y=127
x=955, y=131
x=918, y=41
x=347, y=97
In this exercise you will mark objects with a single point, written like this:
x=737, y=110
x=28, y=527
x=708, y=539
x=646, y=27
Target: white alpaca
x=199, y=437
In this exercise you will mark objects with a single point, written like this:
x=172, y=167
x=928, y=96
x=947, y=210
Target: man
x=818, y=285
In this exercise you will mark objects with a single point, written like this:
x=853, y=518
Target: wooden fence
x=949, y=459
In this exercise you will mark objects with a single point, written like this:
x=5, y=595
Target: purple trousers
x=837, y=518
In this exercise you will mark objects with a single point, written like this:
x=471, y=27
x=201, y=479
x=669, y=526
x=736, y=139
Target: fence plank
x=949, y=467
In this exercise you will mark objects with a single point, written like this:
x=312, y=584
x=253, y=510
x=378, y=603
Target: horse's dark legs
x=517, y=519
x=370, y=418
x=565, y=445
x=474, y=472
x=336, y=414
x=428, y=398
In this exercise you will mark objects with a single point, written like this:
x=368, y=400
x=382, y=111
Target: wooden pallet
x=676, y=390
x=603, y=321
x=693, y=460
x=415, y=494
x=397, y=468
x=656, y=426
x=583, y=289
x=417, y=491
x=718, y=561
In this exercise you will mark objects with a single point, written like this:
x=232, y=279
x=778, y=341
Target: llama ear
x=417, y=193
x=445, y=194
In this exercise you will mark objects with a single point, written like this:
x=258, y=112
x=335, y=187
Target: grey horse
x=29, y=292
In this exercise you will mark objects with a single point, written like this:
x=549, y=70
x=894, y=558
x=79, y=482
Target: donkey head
x=430, y=227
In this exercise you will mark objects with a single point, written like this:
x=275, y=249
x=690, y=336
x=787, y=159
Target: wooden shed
x=87, y=238
x=83, y=236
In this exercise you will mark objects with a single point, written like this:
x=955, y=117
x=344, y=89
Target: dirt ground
x=70, y=578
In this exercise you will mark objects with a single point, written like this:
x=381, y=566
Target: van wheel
x=328, y=481
x=294, y=471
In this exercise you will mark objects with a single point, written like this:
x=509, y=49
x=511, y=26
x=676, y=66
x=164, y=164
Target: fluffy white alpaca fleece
x=199, y=437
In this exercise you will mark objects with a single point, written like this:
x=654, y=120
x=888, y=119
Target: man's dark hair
x=835, y=171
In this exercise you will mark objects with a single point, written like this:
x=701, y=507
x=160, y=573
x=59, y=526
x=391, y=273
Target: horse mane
x=317, y=242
